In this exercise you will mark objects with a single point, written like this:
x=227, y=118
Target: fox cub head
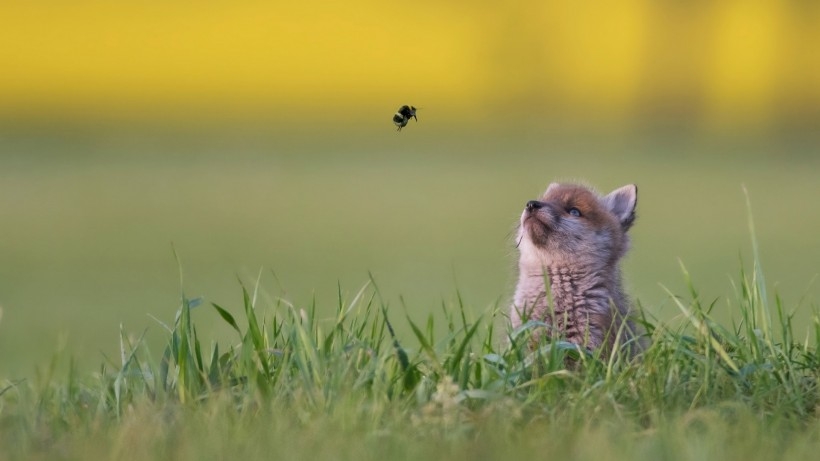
x=572, y=225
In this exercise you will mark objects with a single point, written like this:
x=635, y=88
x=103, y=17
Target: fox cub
x=574, y=239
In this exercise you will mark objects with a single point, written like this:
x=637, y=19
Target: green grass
x=88, y=221
x=241, y=373
x=295, y=385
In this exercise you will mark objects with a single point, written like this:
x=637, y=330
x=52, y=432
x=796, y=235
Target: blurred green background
x=257, y=136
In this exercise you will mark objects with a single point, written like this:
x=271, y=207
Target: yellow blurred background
x=728, y=64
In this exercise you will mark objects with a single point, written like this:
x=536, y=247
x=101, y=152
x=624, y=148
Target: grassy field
x=89, y=220
x=295, y=384
x=93, y=363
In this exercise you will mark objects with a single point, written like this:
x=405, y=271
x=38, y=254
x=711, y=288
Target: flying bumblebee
x=402, y=117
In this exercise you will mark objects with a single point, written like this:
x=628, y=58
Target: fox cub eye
x=575, y=212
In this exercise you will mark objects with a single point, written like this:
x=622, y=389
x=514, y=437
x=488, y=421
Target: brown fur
x=579, y=256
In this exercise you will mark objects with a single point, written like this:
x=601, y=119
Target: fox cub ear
x=621, y=202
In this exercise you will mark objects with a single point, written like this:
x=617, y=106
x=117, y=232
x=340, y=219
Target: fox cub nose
x=534, y=205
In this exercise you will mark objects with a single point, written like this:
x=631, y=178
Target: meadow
x=296, y=385
x=90, y=221
x=331, y=234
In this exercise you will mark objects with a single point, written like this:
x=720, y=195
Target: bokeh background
x=256, y=138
